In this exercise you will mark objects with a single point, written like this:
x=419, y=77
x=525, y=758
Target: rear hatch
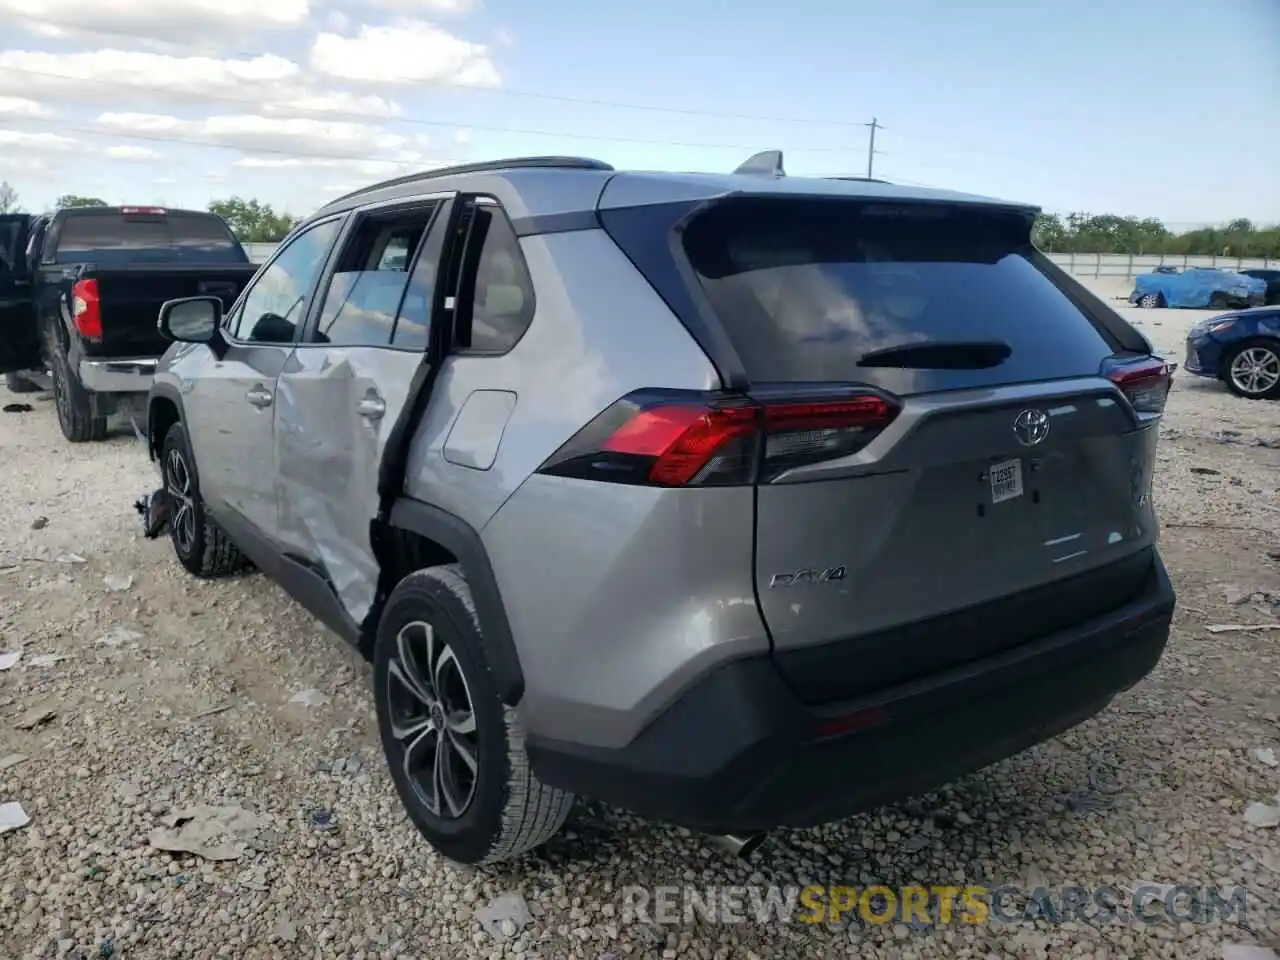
x=957, y=456
x=137, y=258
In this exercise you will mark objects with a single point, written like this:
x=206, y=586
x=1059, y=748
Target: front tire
x=17, y=384
x=75, y=404
x=455, y=751
x=1150, y=301
x=1251, y=369
x=198, y=542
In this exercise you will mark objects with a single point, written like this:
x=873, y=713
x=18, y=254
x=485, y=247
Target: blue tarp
x=1195, y=287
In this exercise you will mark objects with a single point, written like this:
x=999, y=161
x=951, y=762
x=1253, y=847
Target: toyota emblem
x=1031, y=427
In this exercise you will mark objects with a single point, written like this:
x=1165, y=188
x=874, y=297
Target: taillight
x=86, y=308
x=673, y=439
x=1146, y=382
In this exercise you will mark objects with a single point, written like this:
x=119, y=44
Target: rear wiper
x=941, y=355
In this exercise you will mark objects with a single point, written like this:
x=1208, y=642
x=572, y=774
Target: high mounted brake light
x=673, y=439
x=86, y=309
x=1146, y=383
x=143, y=211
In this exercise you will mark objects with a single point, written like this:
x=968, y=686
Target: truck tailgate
x=131, y=296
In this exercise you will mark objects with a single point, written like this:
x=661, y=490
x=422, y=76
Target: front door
x=345, y=386
x=19, y=345
x=230, y=410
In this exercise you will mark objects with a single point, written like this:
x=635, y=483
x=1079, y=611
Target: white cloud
x=447, y=8
x=411, y=51
x=302, y=143
x=178, y=21
x=22, y=107
x=337, y=21
x=334, y=102
x=104, y=75
x=37, y=142
x=126, y=152
x=462, y=137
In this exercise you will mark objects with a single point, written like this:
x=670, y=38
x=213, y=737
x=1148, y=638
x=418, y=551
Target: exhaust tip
x=739, y=846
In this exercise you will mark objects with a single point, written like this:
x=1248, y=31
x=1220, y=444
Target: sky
x=1131, y=107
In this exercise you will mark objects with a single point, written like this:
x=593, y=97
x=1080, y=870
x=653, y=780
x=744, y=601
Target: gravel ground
x=174, y=693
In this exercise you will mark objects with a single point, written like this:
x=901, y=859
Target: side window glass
x=371, y=278
x=277, y=302
x=503, y=305
x=413, y=326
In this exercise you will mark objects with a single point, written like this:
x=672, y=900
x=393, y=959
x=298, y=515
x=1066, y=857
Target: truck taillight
x=669, y=439
x=1146, y=383
x=86, y=309
x=143, y=211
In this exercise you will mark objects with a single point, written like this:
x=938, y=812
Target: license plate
x=1006, y=480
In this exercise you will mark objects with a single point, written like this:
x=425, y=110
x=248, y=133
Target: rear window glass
x=806, y=289
x=171, y=238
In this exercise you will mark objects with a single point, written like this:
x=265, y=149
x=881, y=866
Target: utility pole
x=871, y=146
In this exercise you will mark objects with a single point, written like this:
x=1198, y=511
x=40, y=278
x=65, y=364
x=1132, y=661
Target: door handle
x=371, y=408
x=259, y=396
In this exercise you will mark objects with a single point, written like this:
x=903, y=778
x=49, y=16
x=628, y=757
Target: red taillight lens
x=655, y=438
x=86, y=308
x=1145, y=382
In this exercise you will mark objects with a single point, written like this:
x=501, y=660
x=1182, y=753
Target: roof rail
x=765, y=164
x=484, y=166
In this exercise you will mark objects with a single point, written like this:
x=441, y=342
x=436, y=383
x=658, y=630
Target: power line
x=353, y=116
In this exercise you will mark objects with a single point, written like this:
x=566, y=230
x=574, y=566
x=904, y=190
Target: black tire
x=1260, y=347
x=198, y=542
x=1219, y=301
x=17, y=384
x=1150, y=301
x=507, y=811
x=74, y=403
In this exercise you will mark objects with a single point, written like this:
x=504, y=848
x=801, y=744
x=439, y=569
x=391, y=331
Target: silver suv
x=740, y=501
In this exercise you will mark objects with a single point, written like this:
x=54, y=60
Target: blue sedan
x=1242, y=349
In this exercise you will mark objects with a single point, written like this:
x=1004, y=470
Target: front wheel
x=1150, y=300
x=456, y=752
x=1219, y=301
x=1252, y=369
x=198, y=542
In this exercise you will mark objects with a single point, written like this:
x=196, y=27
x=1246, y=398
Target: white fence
x=1098, y=265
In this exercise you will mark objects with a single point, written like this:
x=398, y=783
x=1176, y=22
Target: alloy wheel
x=433, y=720
x=178, y=487
x=1255, y=370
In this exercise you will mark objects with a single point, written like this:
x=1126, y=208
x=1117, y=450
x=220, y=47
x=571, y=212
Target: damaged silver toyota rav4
x=739, y=501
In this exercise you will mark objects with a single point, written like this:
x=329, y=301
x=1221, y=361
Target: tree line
x=250, y=220
x=1108, y=233
x=255, y=222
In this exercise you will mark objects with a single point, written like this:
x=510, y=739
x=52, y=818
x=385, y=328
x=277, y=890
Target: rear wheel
x=17, y=384
x=456, y=752
x=1151, y=300
x=199, y=543
x=74, y=403
x=1252, y=369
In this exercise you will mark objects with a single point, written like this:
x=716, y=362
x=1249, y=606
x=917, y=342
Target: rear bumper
x=740, y=753
x=118, y=376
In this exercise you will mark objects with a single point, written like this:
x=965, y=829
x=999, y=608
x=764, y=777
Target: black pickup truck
x=80, y=291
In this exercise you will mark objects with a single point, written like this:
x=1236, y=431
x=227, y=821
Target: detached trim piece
x=460, y=539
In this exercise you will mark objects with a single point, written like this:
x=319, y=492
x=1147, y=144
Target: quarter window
x=503, y=306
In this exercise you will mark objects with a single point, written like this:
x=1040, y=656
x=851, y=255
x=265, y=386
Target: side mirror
x=191, y=319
